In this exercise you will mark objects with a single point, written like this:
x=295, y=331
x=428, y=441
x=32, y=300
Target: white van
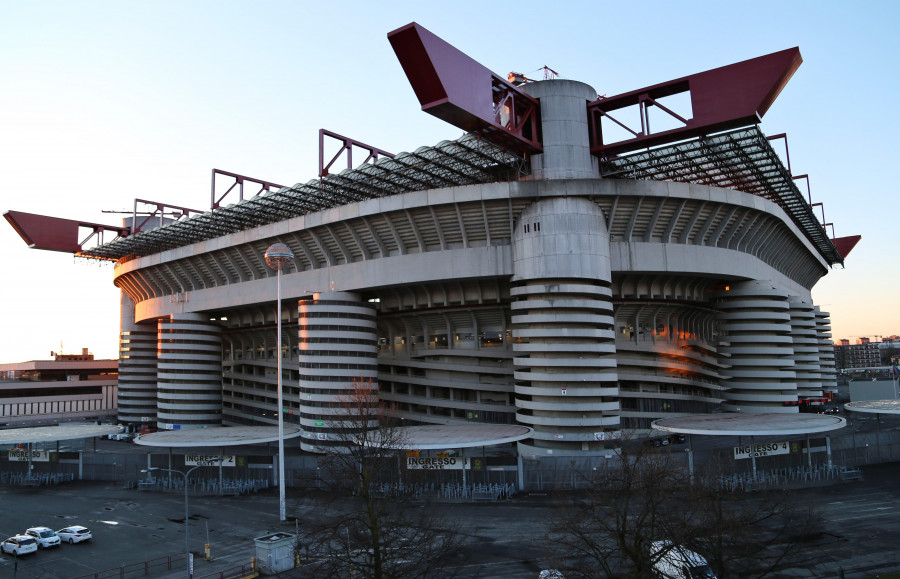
x=678, y=562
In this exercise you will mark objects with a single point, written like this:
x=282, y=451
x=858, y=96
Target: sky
x=102, y=103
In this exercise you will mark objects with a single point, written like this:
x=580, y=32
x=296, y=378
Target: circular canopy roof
x=440, y=436
x=218, y=436
x=876, y=406
x=763, y=424
x=55, y=433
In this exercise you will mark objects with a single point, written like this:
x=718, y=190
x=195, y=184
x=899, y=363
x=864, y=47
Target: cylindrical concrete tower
x=338, y=348
x=806, y=350
x=826, y=351
x=189, y=372
x=756, y=322
x=562, y=327
x=137, y=368
x=564, y=127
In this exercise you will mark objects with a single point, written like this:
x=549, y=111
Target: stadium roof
x=468, y=161
x=740, y=159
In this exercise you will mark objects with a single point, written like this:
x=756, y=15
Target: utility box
x=275, y=553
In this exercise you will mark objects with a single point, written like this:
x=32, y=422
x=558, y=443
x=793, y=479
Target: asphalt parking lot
x=504, y=540
x=131, y=527
x=507, y=539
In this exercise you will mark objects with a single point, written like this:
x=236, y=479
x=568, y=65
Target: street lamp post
x=277, y=257
x=187, y=527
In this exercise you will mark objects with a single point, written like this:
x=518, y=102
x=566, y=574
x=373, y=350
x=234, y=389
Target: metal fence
x=850, y=448
x=169, y=563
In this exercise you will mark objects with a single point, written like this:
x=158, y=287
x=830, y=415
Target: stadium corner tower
x=535, y=272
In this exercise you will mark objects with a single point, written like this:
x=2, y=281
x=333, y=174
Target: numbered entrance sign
x=757, y=450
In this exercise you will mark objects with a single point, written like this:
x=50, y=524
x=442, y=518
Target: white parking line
x=861, y=517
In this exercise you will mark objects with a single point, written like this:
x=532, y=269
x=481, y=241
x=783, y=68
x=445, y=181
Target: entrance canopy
x=55, y=433
x=763, y=424
x=440, y=436
x=218, y=436
x=875, y=406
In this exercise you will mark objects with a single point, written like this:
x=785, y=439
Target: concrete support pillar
x=189, y=372
x=562, y=328
x=338, y=345
x=564, y=128
x=806, y=350
x=755, y=322
x=137, y=396
x=828, y=374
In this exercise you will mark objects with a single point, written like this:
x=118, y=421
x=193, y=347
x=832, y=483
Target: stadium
x=537, y=271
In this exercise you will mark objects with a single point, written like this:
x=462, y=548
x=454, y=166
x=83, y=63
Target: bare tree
x=644, y=498
x=630, y=504
x=372, y=531
x=750, y=534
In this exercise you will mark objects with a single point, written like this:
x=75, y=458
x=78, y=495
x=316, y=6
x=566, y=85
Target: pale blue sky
x=105, y=102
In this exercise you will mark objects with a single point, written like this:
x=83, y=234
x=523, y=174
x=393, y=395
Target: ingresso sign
x=17, y=454
x=767, y=449
x=208, y=460
x=440, y=463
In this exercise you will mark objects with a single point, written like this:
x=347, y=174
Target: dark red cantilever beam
x=55, y=233
x=844, y=245
x=455, y=88
x=724, y=98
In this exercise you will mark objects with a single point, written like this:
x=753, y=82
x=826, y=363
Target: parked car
x=44, y=536
x=74, y=534
x=19, y=545
x=122, y=436
x=678, y=562
x=677, y=438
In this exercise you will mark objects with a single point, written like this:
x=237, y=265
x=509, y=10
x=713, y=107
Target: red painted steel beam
x=55, y=233
x=844, y=245
x=347, y=145
x=455, y=88
x=216, y=201
x=724, y=98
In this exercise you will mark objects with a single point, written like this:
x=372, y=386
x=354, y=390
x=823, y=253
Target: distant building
x=71, y=387
x=863, y=354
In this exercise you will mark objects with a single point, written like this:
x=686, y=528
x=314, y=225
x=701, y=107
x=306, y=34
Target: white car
x=122, y=436
x=678, y=562
x=19, y=545
x=44, y=536
x=74, y=534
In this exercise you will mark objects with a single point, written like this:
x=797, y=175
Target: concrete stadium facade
x=578, y=305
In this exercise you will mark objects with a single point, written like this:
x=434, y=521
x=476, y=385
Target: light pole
x=277, y=257
x=895, y=374
x=187, y=527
